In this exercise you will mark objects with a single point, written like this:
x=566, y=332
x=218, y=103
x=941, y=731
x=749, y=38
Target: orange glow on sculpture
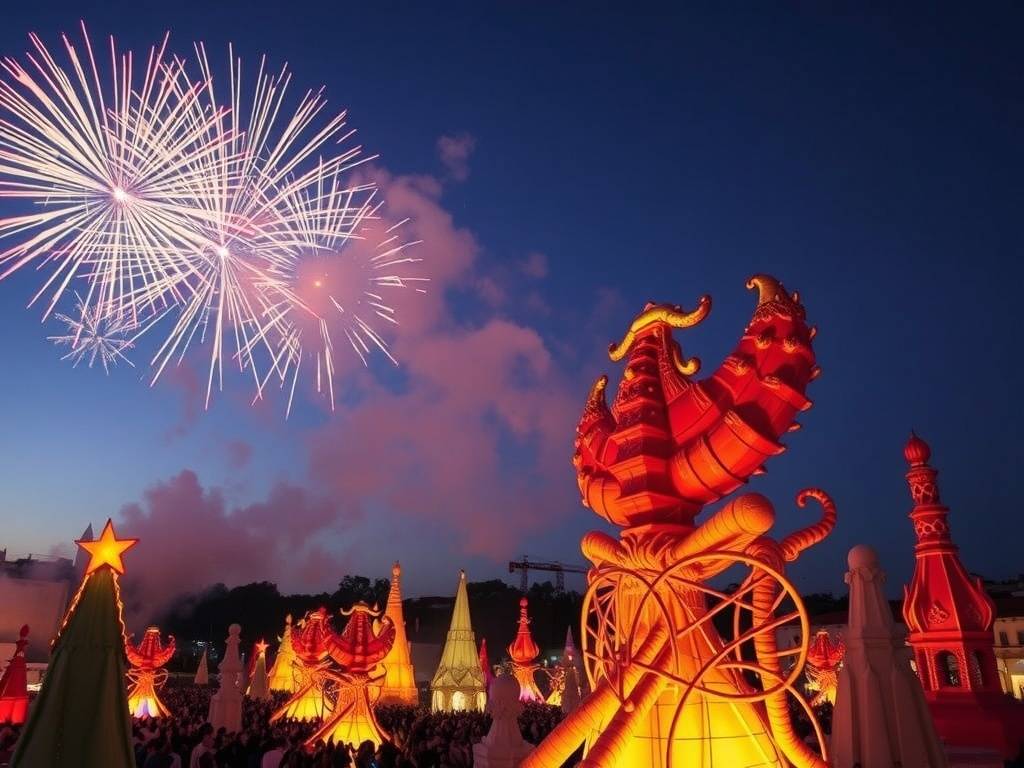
x=106, y=550
x=667, y=688
x=147, y=660
x=282, y=673
x=14, y=684
x=823, y=660
x=400, y=677
x=358, y=651
x=309, y=702
x=523, y=652
x=950, y=619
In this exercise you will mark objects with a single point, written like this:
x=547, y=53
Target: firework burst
x=229, y=214
x=103, y=171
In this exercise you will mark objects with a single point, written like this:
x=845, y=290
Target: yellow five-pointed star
x=261, y=647
x=106, y=550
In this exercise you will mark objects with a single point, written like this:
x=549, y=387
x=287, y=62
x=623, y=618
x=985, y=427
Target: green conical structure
x=81, y=719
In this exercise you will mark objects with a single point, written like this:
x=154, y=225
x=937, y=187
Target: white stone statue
x=880, y=719
x=503, y=746
x=226, y=703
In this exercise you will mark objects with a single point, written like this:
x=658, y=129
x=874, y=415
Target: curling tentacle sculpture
x=146, y=675
x=669, y=688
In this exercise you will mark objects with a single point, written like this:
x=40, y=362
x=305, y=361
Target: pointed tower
x=523, y=652
x=202, y=671
x=259, y=687
x=226, y=703
x=14, y=685
x=880, y=717
x=399, y=677
x=80, y=717
x=950, y=620
x=485, y=664
x=459, y=682
x=282, y=673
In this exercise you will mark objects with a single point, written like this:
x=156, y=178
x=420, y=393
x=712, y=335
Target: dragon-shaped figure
x=671, y=686
x=147, y=673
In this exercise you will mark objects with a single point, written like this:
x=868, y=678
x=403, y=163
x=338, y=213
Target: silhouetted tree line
x=260, y=608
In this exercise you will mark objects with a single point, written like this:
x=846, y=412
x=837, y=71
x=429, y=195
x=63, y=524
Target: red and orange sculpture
x=667, y=688
x=358, y=651
x=950, y=617
x=524, y=652
x=14, y=684
x=147, y=674
x=310, y=701
x=823, y=659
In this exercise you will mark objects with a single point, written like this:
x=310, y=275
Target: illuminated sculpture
x=147, y=660
x=485, y=664
x=823, y=660
x=399, y=676
x=667, y=688
x=259, y=687
x=80, y=718
x=880, y=719
x=14, y=684
x=950, y=617
x=523, y=652
x=309, y=702
x=459, y=682
x=565, y=678
x=202, y=671
x=282, y=673
x=503, y=746
x=358, y=650
x=226, y=703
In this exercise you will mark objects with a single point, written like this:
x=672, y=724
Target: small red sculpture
x=358, y=651
x=485, y=664
x=147, y=675
x=14, y=685
x=523, y=652
x=823, y=659
x=309, y=702
x=950, y=618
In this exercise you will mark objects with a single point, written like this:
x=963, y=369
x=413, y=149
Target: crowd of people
x=418, y=738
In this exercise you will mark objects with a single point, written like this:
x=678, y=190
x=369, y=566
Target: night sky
x=564, y=164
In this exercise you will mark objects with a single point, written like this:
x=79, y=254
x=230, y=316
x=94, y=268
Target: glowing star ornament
x=524, y=651
x=147, y=674
x=667, y=689
x=80, y=718
x=106, y=551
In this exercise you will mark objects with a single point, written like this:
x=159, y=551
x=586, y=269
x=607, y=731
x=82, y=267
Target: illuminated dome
x=916, y=451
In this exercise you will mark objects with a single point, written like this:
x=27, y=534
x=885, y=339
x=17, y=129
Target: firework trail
x=228, y=213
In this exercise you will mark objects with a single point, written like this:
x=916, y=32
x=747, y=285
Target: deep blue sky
x=871, y=160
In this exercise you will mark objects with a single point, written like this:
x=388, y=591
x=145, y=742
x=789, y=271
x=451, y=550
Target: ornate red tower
x=950, y=620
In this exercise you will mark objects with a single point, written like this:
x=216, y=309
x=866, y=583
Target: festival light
x=106, y=550
x=100, y=161
x=235, y=210
x=668, y=688
x=147, y=660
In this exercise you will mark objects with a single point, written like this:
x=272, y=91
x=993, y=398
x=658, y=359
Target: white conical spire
x=880, y=718
x=203, y=671
x=459, y=680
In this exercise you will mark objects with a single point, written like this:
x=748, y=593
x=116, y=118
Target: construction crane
x=526, y=565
